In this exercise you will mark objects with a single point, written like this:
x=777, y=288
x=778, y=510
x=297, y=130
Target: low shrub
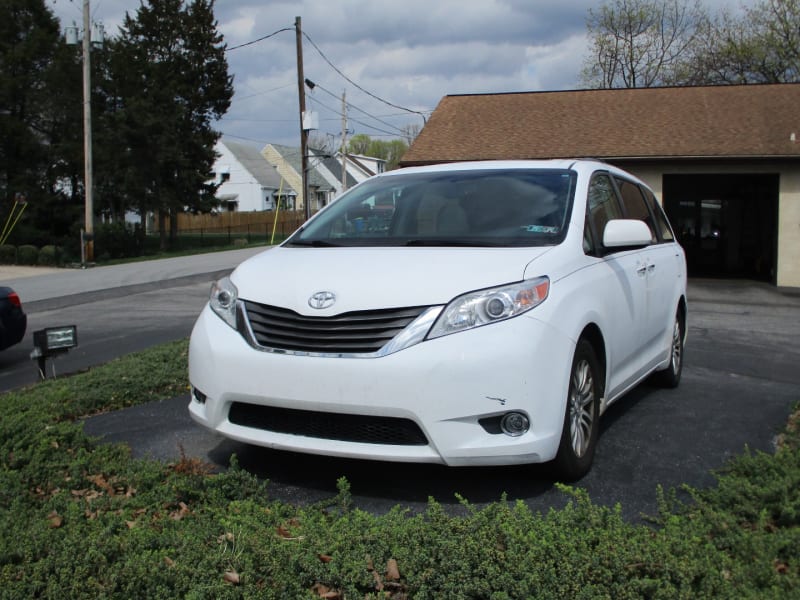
x=118, y=240
x=81, y=519
x=8, y=254
x=49, y=256
x=28, y=255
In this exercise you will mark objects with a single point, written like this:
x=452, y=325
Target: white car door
x=659, y=265
x=620, y=278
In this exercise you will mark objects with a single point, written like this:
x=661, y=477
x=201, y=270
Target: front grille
x=355, y=332
x=328, y=426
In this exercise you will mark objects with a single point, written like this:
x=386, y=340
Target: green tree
x=35, y=116
x=391, y=151
x=644, y=43
x=760, y=46
x=359, y=144
x=641, y=43
x=173, y=84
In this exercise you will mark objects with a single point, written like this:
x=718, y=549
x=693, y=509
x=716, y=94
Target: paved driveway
x=740, y=382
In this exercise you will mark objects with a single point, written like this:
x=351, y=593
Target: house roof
x=703, y=122
x=294, y=158
x=251, y=159
x=334, y=165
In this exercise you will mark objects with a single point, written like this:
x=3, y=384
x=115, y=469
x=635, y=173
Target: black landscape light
x=52, y=341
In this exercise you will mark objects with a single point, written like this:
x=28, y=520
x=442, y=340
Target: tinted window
x=635, y=205
x=661, y=220
x=491, y=207
x=601, y=205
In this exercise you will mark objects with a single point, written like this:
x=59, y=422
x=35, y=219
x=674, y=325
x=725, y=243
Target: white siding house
x=246, y=181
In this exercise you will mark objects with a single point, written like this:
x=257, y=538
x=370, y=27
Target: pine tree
x=173, y=84
x=33, y=116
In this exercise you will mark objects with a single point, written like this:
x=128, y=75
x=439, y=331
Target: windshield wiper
x=444, y=242
x=314, y=243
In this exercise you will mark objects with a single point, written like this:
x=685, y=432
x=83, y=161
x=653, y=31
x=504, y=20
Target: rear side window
x=661, y=220
x=635, y=205
x=601, y=207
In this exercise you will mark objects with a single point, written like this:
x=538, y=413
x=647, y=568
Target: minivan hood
x=367, y=278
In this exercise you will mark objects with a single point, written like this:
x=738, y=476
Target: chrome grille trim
x=355, y=334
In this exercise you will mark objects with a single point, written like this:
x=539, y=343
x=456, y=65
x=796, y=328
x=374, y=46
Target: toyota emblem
x=322, y=300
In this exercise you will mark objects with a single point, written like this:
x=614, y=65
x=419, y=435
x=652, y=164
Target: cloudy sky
x=404, y=55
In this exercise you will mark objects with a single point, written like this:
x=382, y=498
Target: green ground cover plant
x=82, y=519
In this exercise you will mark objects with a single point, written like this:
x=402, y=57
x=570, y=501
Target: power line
x=346, y=78
x=361, y=110
x=261, y=39
x=239, y=137
x=338, y=112
x=265, y=92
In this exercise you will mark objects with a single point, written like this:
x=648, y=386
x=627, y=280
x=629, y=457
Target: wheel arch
x=682, y=311
x=592, y=333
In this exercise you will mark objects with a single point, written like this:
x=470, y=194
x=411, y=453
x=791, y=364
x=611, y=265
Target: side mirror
x=622, y=233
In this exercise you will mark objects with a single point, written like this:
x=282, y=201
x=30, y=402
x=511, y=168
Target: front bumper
x=446, y=386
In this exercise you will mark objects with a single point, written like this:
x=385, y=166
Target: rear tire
x=671, y=376
x=581, y=428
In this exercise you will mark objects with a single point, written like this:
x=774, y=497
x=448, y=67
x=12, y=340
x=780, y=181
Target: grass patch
x=80, y=519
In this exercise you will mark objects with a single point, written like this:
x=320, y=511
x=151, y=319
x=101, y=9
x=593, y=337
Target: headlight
x=489, y=306
x=223, y=299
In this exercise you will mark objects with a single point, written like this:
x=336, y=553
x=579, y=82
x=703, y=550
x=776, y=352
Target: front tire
x=581, y=427
x=671, y=376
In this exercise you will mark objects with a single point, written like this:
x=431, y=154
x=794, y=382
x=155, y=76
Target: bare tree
x=322, y=143
x=760, y=46
x=776, y=40
x=410, y=132
x=641, y=43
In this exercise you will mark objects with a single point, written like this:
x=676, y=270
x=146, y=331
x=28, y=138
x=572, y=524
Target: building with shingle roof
x=246, y=181
x=287, y=161
x=724, y=160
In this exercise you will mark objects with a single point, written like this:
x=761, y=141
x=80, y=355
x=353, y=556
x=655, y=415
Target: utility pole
x=88, y=235
x=344, y=141
x=301, y=92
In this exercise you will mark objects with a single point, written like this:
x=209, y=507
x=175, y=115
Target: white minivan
x=482, y=313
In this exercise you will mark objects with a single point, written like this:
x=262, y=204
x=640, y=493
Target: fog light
x=514, y=424
x=199, y=396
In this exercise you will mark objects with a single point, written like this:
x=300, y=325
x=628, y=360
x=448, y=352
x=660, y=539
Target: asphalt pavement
x=740, y=383
x=47, y=288
x=117, y=309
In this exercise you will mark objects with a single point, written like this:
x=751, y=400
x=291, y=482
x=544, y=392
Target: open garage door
x=728, y=224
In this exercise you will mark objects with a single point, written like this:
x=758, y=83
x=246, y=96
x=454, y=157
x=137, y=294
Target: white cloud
x=411, y=53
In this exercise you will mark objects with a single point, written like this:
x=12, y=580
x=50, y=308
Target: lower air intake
x=329, y=426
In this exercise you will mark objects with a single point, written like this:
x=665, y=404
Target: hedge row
x=81, y=519
x=27, y=254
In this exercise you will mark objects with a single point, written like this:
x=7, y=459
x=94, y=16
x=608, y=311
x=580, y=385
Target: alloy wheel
x=677, y=347
x=582, y=407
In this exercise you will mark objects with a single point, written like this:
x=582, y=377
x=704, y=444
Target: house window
x=232, y=205
x=223, y=177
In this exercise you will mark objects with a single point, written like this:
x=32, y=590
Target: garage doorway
x=727, y=224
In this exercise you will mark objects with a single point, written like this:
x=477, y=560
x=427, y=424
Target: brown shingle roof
x=721, y=121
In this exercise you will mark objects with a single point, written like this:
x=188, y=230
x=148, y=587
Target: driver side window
x=601, y=207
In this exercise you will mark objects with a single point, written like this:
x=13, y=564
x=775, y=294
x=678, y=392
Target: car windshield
x=489, y=207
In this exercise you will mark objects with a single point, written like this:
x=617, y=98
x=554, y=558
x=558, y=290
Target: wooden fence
x=236, y=225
